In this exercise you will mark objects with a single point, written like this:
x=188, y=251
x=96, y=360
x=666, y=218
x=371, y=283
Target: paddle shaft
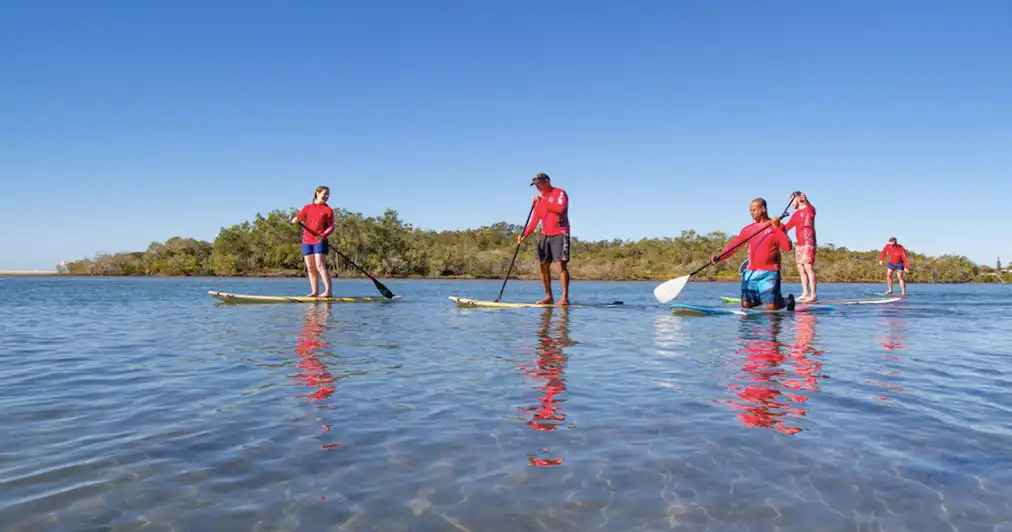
x=379, y=286
x=533, y=203
x=731, y=251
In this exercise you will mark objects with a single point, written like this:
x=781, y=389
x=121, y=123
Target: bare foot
x=326, y=294
x=546, y=301
x=802, y=298
x=812, y=299
x=311, y=294
x=563, y=302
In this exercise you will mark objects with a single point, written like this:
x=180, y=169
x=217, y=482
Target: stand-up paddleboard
x=683, y=308
x=879, y=294
x=835, y=302
x=247, y=298
x=465, y=302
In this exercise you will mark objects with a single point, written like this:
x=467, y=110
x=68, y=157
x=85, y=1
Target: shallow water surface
x=142, y=403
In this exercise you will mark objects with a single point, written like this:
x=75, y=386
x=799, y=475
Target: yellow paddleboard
x=246, y=298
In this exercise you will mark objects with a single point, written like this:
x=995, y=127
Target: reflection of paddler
x=893, y=339
x=761, y=403
x=550, y=370
x=310, y=344
x=805, y=367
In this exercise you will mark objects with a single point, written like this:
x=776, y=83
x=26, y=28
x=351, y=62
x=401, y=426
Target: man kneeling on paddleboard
x=760, y=282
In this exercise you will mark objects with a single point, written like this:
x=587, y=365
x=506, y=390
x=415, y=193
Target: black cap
x=795, y=193
x=539, y=178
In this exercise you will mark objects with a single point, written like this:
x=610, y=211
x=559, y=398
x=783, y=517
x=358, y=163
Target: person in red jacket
x=803, y=223
x=317, y=220
x=897, y=256
x=551, y=210
x=760, y=282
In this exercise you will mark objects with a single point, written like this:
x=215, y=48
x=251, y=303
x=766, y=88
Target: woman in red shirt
x=317, y=220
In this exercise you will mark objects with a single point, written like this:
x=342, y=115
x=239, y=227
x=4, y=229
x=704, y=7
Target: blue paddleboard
x=700, y=309
x=835, y=302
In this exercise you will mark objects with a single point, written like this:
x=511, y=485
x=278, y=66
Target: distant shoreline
x=301, y=275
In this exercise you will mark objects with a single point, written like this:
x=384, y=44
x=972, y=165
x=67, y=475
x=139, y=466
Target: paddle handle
x=517, y=250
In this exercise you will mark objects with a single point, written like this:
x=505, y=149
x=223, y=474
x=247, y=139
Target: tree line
x=386, y=246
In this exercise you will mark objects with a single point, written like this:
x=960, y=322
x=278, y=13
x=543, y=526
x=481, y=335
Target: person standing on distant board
x=760, y=282
x=897, y=255
x=803, y=222
x=551, y=209
x=317, y=219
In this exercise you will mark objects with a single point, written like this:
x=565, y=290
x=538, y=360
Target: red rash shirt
x=897, y=254
x=804, y=221
x=318, y=217
x=764, y=249
x=552, y=209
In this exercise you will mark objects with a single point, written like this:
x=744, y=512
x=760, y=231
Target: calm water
x=142, y=404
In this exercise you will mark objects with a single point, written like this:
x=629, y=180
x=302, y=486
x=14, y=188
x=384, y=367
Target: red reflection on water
x=549, y=371
x=893, y=341
x=314, y=372
x=774, y=376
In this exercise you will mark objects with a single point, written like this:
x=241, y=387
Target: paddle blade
x=383, y=289
x=669, y=290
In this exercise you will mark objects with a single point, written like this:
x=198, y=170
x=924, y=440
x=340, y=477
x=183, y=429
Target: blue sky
x=129, y=122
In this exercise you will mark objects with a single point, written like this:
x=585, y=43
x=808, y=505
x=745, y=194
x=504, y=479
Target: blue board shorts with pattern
x=761, y=287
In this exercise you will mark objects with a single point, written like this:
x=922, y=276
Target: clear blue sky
x=127, y=122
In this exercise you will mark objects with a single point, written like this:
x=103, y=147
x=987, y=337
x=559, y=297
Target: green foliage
x=387, y=246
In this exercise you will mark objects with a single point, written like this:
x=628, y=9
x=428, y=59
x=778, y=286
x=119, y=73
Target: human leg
x=311, y=273
x=320, y=260
x=546, y=281
x=564, y=281
x=813, y=283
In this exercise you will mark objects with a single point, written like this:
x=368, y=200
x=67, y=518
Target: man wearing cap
x=897, y=255
x=803, y=222
x=551, y=209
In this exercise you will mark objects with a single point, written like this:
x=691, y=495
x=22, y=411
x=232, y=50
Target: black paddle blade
x=383, y=290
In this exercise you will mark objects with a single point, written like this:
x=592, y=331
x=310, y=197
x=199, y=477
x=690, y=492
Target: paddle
x=670, y=289
x=379, y=286
x=515, y=255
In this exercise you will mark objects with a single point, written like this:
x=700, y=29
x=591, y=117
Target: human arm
x=793, y=222
x=741, y=238
x=329, y=227
x=300, y=216
x=780, y=233
x=539, y=213
x=559, y=205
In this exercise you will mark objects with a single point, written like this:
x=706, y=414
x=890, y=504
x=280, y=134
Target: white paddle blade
x=669, y=290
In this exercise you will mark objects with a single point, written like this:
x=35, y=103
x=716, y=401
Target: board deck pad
x=702, y=309
x=249, y=298
x=467, y=302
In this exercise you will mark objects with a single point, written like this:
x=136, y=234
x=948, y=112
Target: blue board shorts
x=897, y=267
x=312, y=249
x=761, y=287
